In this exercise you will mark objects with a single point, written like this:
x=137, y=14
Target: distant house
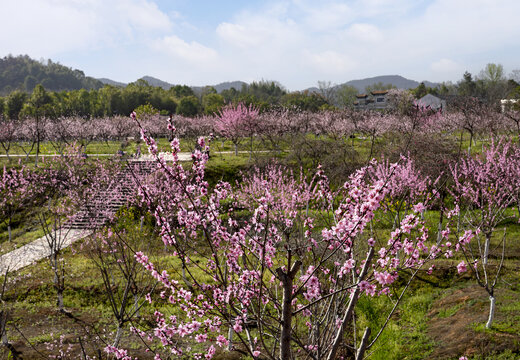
x=507, y=104
x=376, y=100
x=430, y=101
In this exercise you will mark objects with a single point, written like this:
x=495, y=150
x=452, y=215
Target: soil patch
x=456, y=324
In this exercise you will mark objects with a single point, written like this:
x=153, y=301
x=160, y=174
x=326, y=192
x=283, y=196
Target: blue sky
x=295, y=42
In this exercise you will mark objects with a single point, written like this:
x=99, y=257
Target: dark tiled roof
x=379, y=92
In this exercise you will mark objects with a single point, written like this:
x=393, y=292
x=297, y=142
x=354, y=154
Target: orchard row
x=238, y=122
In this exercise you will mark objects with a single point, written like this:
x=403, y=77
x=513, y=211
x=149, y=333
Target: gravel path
x=37, y=250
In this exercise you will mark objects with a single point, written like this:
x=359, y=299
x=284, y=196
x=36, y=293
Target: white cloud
x=192, y=51
x=271, y=28
x=296, y=42
x=47, y=27
x=142, y=15
x=383, y=8
x=325, y=16
x=241, y=36
x=330, y=62
x=445, y=66
x=365, y=33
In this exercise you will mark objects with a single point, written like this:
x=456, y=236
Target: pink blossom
x=461, y=267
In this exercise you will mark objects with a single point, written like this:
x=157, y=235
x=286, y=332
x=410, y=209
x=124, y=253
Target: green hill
x=23, y=73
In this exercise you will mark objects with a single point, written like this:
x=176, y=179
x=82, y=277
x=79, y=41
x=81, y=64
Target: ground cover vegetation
x=290, y=234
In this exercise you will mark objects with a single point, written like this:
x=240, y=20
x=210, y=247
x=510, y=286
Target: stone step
x=106, y=203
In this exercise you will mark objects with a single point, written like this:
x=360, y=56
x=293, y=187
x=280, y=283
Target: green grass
x=445, y=313
x=506, y=355
x=405, y=336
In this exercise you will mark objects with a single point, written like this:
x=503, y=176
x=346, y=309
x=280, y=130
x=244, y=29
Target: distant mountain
x=395, y=80
x=157, y=82
x=316, y=90
x=166, y=85
x=220, y=87
x=228, y=85
x=106, y=81
x=23, y=73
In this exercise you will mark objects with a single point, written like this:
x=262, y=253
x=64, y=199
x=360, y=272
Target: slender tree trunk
x=9, y=230
x=470, y=143
x=492, y=306
x=251, y=150
x=4, y=316
x=185, y=278
x=58, y=282
x=372, y=140
x=486, y=249
x=37, y=143
x=136, y=304
x=119, y=333
x=7, y=154
x=363, y=345
x=60, y=299
x=230, y=338
x=236, y=149
x=350, y=308
x=285, y=341
x=439, y=226
x=287, y=282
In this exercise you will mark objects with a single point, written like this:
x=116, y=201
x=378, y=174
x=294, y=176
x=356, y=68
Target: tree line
x=90, y=100
x=23, y=73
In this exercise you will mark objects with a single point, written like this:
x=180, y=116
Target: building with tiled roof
x=376, y=100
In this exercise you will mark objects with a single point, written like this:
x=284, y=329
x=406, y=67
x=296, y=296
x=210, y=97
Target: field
x=274, y=215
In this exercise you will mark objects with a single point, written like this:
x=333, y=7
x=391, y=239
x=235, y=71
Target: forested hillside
x=23, y=73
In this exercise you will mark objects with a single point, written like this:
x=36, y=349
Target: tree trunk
x=119, y=333
x=136, y=304
x=230, y=338
x=350, y=308
x=363, y=345
x=439, y=227
x=372, y=140
x=59, y=302
x=9, y=230
x=251, y=149
x=486, y=249
x=4, y=316
x=287, y=281
x=285, y=340
x=470, y=143
x=58, y=282
x=236, y=149
x=491, y=311
x=185, y=278
x=37, y=147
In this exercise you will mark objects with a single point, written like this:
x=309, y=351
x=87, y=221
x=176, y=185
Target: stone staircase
x=105, y=204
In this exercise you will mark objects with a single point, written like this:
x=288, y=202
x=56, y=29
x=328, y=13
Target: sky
x=294, y=42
